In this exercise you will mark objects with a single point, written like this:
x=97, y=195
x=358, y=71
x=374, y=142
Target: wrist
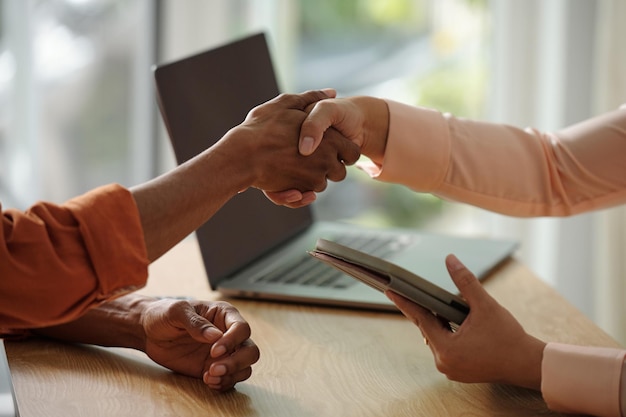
x=375, y=126
x=115, y=323
x=529, y=373
x=237, y=170
x=135, y=331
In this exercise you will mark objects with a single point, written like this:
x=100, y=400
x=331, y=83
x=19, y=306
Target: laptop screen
x=201, y=98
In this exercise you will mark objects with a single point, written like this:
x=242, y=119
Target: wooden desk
x=315, y=361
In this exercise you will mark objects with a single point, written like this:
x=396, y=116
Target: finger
x=315, y=125
x=283, y=198
x=246, y=355
x=337, y=172
x=414, y=312
x=303, y=100
x=307, y=198
x=229, y=370
x=237, y=332
x=227, y=382
x=330, y=92
x=196, y=325
x=432, y=328
x=467, y=283
x=348, y=152
x=321, y=184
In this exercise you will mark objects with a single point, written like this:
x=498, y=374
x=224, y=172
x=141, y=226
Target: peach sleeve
x=581, y=379
x=518, y=172
x=57, y=261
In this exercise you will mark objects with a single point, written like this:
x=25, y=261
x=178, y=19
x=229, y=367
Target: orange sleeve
x=57, y=261
x=513, y=171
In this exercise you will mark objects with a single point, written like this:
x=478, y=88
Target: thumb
x=314, y=126
x=199, y=327
x=467, y=283
x=312, y=130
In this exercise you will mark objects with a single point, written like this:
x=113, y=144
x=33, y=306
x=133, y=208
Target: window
x=420, y=52
x=77, y=107
x=426, y=52
x=75, y=95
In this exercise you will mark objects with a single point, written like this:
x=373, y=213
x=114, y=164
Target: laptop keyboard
x=308, y=271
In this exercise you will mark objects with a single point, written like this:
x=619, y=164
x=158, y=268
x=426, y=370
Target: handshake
x=290, y=146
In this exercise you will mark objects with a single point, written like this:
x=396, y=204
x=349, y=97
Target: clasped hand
x=207, y=340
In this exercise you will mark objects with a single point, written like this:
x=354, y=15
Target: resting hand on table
x=208, y=340
x=489, y=346
x=202, y=339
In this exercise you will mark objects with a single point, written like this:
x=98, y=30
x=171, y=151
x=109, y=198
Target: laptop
x=8, y=402
x=252, y=248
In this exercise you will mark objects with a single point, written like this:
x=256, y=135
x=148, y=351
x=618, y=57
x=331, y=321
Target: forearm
x=178, y=202
x=261, y=152
x=116, y=323
x=567, y=172
x=86, y=250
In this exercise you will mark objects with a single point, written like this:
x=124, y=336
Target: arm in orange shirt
x=57, y=261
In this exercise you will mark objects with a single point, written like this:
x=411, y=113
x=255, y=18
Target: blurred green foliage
x=457, y=89
x=456, y=83
x=323, y=16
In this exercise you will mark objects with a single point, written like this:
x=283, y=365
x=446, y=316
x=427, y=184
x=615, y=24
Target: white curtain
x=610, y=234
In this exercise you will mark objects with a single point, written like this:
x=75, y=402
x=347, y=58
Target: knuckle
x=443, y=367
x=178, y=308
x=464, y=277
x=353, y=155
x=257, y=354
x=343, y=173
x=256, y=112
x=338, y=174
x=246, y=373
x=445, y=361
x=245, y=329
x=225, y=306
x=197, y=321
x=320, y=185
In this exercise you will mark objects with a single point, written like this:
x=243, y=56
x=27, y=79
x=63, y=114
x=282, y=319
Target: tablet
x=382, y=276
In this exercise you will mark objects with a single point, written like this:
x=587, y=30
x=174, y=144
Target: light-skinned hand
x=490, y=345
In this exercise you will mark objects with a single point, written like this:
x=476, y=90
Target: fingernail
x=218, y=351
x=211, y=333
x=308, y=198
x=454, y=264
x=293, y=196
x=213, y=380
x=306, y=145
x=217, y=370
x=330, y=92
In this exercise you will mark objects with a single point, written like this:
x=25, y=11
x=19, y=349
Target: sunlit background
x=77, y=106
